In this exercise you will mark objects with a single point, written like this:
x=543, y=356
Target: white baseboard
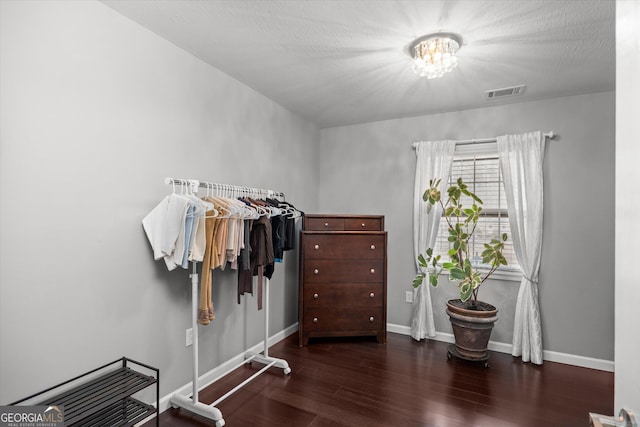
x=585, y=362
x=226, y=367
x=551, y=356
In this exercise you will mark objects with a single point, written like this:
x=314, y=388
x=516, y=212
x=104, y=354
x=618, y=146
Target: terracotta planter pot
x=471, y=329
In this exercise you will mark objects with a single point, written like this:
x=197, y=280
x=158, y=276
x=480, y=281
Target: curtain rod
x=194, y=184
x=549, y=135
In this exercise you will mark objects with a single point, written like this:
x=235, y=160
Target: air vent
x=505, y=91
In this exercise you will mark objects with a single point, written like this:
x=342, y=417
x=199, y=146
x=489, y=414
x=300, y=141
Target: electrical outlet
x=408, y=296
x=189, y=337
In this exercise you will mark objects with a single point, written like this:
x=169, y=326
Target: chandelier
x=434, y=54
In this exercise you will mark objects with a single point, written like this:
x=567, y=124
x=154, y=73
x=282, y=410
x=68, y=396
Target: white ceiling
x=338, y=62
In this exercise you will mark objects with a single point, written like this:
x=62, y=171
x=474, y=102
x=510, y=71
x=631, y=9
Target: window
x=482, y=175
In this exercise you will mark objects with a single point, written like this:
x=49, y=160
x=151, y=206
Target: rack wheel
x=220, y=423
x=486, y=364
x=287, y=371
x=449, y=356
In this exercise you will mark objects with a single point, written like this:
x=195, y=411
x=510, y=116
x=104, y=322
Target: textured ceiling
x=338, y=62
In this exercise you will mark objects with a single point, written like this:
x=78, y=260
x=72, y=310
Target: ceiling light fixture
x=435, y=54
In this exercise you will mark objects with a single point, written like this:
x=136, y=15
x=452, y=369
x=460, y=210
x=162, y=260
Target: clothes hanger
x=209, y=207
x=219, y=196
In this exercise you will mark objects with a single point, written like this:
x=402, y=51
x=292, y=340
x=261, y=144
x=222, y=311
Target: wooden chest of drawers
x=343, y=277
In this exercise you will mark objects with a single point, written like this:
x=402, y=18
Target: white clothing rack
x=192, y=403
x=224, y=190
x=549, y=135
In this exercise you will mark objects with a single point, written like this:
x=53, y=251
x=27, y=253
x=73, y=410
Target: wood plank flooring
x=358, y=382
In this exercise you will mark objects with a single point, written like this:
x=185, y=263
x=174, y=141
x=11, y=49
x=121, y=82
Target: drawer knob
x=372, y=295
x=326, y=224
x=316, y=271
x=316, y=247
x=315, y=320
x=363, y=225
x=315, y=296
x=373, y=247
x=373, y=270
x=371, y=319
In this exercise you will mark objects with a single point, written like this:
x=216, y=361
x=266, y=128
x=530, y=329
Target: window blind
x=482, y=175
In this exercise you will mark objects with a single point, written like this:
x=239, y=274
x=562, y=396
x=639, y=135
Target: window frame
x=486, y=150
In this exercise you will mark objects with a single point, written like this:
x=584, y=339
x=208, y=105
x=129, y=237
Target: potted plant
x=472, y=320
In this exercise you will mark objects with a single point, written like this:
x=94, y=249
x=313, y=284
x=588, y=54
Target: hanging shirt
x=278, y=236
x=164, y=225
x=261, y=252
x=199, y=241
x=194, y=211
x=245, y=278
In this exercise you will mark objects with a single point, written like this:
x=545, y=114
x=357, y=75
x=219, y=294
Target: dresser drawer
x=343, y=222
x=343, y=295
x=363, y=224
x=343, y=270
x=355, y=320
x=343, y=245
x=323, y=223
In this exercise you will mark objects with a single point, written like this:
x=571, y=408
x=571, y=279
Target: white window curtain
x=433, y=161
x=521, y=158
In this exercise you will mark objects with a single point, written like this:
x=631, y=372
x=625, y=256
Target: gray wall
x=96, y=111
x=369, y=168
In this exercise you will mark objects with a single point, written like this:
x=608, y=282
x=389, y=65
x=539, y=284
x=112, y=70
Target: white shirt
x=164, y=225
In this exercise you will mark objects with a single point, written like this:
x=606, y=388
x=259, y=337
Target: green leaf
x=432, y=195
x=465, y=291
x=457, y=273
x=433, y=279
x=448, y=265
x=422, y=262
x=476, y=198
x=504, y=237
x=417, y=281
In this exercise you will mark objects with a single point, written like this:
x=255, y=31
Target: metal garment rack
x=192, y=403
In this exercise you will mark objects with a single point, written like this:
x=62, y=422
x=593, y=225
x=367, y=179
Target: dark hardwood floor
x=357, y=382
